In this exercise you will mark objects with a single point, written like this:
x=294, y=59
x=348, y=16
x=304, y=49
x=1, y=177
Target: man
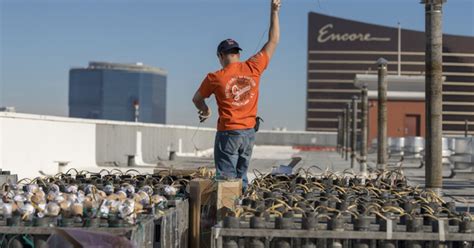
x=236, y=88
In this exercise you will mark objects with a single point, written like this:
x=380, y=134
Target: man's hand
x=276, y=4
x=274, y=32
x=204, y=115
x=203, y=110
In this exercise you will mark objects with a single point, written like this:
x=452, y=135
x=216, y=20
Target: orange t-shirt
x=236, y=90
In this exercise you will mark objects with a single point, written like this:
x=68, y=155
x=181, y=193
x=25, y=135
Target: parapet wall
x=30, y=143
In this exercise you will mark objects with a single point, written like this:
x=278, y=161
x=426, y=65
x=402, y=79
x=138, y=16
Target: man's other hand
x=204, y=115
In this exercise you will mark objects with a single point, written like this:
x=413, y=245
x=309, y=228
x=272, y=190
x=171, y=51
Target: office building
x=123, y=92
x=340, y=49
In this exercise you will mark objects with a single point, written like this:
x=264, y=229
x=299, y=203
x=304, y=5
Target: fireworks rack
x=162, y=227
x=329, y=209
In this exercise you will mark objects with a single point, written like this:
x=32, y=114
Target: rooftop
x=138, y=66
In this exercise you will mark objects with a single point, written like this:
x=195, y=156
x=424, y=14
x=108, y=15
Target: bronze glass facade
x=338, y=49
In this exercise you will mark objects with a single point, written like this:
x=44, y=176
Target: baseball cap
x=227, y=45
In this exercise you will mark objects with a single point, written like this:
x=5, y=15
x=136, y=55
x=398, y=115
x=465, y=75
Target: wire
x=260, y=41
x=196, y=148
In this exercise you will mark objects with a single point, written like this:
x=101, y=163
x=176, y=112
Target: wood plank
x=199, y=192
x=170, y=171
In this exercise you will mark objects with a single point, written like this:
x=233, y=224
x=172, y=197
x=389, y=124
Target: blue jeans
x=232, y=153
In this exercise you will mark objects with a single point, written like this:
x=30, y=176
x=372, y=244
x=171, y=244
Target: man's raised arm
x=274, y=33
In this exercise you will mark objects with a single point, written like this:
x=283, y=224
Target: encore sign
x=325, y=35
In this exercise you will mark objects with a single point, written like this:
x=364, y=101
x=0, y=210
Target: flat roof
x=395, y=82
x=138, y=66
x=398, y=95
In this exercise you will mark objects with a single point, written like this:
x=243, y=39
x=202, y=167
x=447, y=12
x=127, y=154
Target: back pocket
x=230, y=142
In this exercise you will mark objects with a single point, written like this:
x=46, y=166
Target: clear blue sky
x=42, y=39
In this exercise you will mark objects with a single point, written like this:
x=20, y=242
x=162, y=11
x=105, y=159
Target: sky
x=42, y=39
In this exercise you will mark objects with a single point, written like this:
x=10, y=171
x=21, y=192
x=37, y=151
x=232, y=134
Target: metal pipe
x=382, y=114
x=364, y=130
x=343, y=150
x=399, y=53
x=346, y=132
x=466, y=128
x=434, y=91
x=342, y=132
x=136, y=107
x=354, y=132
x=339, y=133
x=341, y=118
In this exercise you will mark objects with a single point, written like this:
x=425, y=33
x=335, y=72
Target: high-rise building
x=123, y=92
x=340, y=49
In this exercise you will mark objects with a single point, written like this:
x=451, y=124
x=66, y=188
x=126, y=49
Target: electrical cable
x=196, y=148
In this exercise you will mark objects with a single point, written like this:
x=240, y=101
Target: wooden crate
x=228, y=192
x=210, y=201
